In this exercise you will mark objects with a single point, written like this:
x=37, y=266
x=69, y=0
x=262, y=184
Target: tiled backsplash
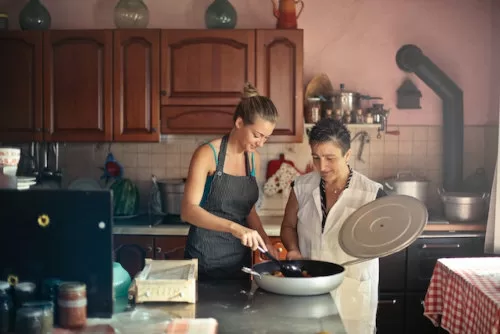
x=417, y=148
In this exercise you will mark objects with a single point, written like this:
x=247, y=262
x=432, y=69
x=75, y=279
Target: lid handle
x=403, y=173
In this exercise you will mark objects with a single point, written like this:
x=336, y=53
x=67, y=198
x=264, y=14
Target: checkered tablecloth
x=464, y=295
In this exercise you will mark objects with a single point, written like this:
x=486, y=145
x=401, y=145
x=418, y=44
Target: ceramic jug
x=286, y=13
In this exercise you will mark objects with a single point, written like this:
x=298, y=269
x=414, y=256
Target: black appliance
x=63, y=234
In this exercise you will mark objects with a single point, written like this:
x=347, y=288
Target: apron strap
x=222, y=155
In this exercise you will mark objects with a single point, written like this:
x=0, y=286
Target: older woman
x=318, y=206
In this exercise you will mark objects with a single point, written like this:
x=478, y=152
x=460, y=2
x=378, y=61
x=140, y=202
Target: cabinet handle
x=436, y=246
x=153, y=130
x=163, y=92
x=392, y=301
x=158, y=249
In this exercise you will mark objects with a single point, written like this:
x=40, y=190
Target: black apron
x=221, y=255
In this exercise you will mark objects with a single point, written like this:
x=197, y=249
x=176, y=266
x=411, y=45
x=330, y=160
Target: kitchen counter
x=173, y=226
x=240, y=307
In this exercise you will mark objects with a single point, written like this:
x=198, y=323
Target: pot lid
x=383, y=227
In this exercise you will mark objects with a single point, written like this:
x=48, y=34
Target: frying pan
x=326, y=277
x=377, y=229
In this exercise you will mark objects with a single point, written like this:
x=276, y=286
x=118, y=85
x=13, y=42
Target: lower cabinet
x=131, y=251
x=405, y=277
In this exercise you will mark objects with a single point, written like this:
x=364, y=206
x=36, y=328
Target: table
x=464, y=295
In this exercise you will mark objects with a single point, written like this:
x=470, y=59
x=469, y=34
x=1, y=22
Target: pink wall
x=354, y=42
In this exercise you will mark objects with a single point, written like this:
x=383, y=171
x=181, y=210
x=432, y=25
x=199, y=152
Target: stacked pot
x=458, y=206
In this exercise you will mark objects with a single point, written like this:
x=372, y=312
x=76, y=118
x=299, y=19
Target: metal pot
x=171, y=191
x=464, y=207
x=407, y=183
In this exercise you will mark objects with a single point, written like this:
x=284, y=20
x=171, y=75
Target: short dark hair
x=252, y=105
x=330, y=130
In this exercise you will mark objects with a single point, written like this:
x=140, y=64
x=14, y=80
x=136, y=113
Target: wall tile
x=418, y=148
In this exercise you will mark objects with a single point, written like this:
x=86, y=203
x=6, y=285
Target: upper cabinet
x=203, y=74
x=21, y=87
x=77, y=84
x=132, y=85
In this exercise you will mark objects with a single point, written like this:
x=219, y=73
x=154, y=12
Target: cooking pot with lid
x=407, y=183
x=463, y=206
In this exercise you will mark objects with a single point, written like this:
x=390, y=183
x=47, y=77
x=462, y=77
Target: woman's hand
x=294, y=255
x=273, y=251
x=250, y=238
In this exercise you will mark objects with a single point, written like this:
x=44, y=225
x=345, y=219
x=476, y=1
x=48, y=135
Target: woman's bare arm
x=288, y=232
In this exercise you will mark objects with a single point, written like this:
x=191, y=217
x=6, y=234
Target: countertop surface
x=241, y=307
x=173, y=226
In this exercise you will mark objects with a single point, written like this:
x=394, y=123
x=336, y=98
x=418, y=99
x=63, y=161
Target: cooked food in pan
x=278, y=273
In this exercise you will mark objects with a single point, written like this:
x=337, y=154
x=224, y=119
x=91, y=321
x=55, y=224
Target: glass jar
x=29, y=321
x=50, y=288
x=72, y=302
x=24, y=292
x=313, y=110
x=6, y=312
x=47, y=317
x=131, y=14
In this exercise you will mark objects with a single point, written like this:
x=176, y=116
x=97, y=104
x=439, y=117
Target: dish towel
x=192, y=326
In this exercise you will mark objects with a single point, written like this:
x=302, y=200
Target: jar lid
x=44, y=305
x=4, y=285
x=25, y=286
x=72, y=287
x=4, y=15
x=29, y=312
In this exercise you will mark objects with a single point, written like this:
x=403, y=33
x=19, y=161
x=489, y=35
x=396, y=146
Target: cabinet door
x=203, y=74
x=424, y=253
x=21, y=100
x=390, y=313
x=77, y=85
x=131, y=251
x=170, y=248
x=136, y=89
x=416, y=322
x=392, y=272
x=278, y=245
x=279, y=76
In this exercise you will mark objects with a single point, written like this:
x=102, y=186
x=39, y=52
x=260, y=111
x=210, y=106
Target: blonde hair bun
x=249, y=90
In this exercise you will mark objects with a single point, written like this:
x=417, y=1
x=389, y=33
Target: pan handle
x=251, y=272
x=348, y=263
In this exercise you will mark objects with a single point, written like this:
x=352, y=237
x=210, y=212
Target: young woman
x=317, y=207
x=221, y=192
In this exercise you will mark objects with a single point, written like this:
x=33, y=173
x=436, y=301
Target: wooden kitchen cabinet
x=80, y=86
x=21, y=90
x=116, y=85
x=170, y=248
x=78, y=75
x=131, y=251
x=280, y=63
x=136, y=88
x=203, y=74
